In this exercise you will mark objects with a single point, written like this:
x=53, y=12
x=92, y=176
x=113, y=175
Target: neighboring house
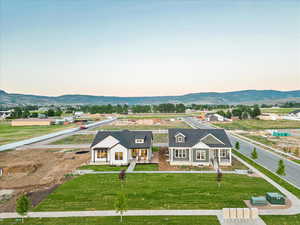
x=197, y=147
x=78, y=114
x=295, y=113
x=121, y=147
x=5, y=114
x=214, y=117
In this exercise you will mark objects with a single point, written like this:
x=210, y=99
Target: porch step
x=131, y=166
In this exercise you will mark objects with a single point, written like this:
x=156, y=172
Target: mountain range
x=234, y=97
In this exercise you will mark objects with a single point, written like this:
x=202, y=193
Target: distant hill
x=234, y=97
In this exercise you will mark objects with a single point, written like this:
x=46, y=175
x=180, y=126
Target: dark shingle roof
x=193, y=136
x=126, y=138
x=295, y=111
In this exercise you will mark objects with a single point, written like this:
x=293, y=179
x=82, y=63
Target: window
x=223, y=153
x=118, y=155
x=102, y=154
x=139, y=141
x=180, y=153
x=200, y=155
x=179, y=139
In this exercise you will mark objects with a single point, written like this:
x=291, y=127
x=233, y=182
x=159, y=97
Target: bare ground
x=35, y=171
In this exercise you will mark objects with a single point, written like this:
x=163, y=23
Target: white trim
x=201, y=145
x=200, y=154
x=181, y=154
x=213, y=137
x=179, y=134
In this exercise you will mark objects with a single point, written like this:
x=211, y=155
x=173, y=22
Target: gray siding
x=194, y=155
x=181, y=159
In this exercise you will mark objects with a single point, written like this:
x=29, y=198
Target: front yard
x=155, y=191
x=259, y=124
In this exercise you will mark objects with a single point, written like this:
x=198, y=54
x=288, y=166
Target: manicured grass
x=114, y=220
x=102, y=168
x=160, y=138
x=282, y=220
x=259, y=124
x=271, y=175
x=75, y=139
x=155, y=149
x=155, y=191
x=10, y=134
x=279, y=110
x=146, y=167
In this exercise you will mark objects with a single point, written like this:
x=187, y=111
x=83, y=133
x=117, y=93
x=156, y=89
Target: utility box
x=275, y=198
x=259, y=200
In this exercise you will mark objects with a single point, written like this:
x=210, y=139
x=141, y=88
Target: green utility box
x=275, y=198
x=258, y=200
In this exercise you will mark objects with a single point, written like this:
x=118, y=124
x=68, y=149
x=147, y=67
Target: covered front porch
x=220, y=156
x=140, y=155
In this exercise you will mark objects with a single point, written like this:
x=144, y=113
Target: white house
x=120, y=147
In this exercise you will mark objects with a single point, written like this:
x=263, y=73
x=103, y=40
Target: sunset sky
x=148, y=48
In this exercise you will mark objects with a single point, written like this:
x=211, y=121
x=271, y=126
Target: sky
x=148, y=47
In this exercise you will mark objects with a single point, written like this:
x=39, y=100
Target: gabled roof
x=126, y=138
x=295, y=111
x=193, y=137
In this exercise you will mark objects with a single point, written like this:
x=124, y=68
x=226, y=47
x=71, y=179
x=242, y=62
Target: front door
x=143, y=154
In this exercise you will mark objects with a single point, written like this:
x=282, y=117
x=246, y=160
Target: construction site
x=36, y=172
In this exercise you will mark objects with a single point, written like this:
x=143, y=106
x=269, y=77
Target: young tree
x=22, y=206
x=121, y=204
x=237, y=145
x=254, y=154
x=219, y=177
x=122, y=176
x=281, y=168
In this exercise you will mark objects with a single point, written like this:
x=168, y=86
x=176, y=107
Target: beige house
x=31, y=122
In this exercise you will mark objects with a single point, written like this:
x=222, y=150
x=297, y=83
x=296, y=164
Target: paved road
x=52, y=135
x=265, y=157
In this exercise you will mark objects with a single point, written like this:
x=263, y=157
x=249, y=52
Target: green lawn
x=114, y=220
x=155, y=191
x=282, y=220
x=146, y=167
x=279, y=110
x=10, y=134
x=259, y=124
x=271, y=175
x=160, y=138
x=75, y=139
x=102, y=168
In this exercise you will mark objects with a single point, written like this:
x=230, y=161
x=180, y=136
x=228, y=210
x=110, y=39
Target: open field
x=143, y=124
x=154, y=116
x=155, y=191
x=146, y=167
x=75, y=139
x=102, y=168
x=259, y=124
x=278, y=111
x=10, y=134
x=282, y=220
x=160, y=138
x=114, y=220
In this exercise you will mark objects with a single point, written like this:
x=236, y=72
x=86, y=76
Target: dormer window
x=179, y=138
x=139, y=141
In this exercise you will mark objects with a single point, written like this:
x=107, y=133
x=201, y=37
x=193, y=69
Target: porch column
x=229, y=155
x=92, y=155
x=219, y=150
x=190, y=154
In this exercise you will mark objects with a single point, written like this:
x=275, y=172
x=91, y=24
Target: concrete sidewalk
x=113, y=213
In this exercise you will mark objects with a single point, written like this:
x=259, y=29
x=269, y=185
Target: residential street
x=265, y=157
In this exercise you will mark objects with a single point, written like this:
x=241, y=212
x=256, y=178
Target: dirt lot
x=35, y=170
x=289, y=144
x=144, y=124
